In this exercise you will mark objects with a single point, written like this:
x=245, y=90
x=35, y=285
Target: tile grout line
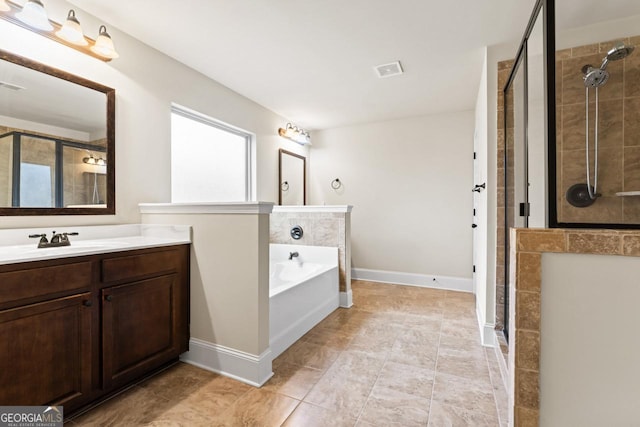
x=386, y=358
x=493, y=390
x=435, y=368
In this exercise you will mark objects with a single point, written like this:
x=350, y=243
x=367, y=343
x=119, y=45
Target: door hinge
x=474, y=268
x=474, y=212
x=525, y=209
x=474, y=155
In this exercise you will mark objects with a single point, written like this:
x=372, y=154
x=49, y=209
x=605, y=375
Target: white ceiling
x=311, y=61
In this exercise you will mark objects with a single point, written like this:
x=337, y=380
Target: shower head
x=594, y=77
x=620, y=51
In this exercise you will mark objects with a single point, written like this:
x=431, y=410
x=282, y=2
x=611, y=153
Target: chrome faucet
x=57, y=239
x=293, y=255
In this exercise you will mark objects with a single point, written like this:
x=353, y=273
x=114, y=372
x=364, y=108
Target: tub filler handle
x=293, y=255
x=296, y=232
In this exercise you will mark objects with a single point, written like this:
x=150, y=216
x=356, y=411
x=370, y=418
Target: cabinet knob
x=108, y=298
x=87, y=303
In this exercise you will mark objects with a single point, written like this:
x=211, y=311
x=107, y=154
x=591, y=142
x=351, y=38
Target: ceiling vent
x=389, y=70
x=10, y=86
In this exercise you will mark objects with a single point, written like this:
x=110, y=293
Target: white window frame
x=250, y=146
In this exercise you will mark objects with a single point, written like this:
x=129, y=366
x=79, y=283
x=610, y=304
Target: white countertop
x=90, y=241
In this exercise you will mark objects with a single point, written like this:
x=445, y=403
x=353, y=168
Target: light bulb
x=104, y=45
x=71, y=30
x=34, y=15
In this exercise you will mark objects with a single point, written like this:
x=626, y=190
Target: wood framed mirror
x=292, y=178
x=57, y=141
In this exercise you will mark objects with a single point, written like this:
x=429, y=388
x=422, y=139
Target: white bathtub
x=302, y=291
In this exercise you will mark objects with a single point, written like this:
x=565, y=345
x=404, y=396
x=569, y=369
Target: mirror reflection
x=56, y=132
x=292, y=178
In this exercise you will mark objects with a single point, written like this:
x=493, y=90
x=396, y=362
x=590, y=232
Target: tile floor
x=402, y=356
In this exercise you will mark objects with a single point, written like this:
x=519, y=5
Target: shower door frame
x=546, y=9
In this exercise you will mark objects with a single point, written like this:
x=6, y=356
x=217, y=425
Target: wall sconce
x=93, y=161
x=33, y=16
x=295, y=134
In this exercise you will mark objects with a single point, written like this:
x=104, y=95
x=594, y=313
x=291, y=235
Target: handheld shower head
x=618, y=52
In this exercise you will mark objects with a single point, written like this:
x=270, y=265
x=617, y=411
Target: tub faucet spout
x=293, y=255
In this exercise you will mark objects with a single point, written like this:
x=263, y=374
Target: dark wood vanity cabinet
x=77, y=337
x=46, y=352
x=140, y=327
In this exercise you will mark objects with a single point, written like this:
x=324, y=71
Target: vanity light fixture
x=295, y=134
x=34, y=15
x=93, y=161
x=71, y=30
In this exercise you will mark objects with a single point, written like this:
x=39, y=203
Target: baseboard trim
x=411, y=279
x=346, y=299
x=245, y=367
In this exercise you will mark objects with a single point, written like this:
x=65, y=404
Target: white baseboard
x=248, y=368
x=346, y=299
x=412, y=279
x=487, y=331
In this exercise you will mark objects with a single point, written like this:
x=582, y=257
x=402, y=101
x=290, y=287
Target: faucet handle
x=35, y=236
x=75, y=233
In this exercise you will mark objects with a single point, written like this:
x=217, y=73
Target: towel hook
x=284, y=186
x=335, y=184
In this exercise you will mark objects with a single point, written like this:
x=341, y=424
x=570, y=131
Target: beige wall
x=229, y=278
x=410, y=184
x=146, y=84
x=589, y=373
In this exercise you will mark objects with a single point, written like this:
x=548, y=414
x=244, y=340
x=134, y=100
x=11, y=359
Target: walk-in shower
x=584, y=194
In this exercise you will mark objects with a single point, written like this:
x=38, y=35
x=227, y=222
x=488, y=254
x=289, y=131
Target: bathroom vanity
x=89, y=319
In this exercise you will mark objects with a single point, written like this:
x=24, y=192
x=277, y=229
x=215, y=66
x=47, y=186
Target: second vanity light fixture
x=33, y=16
x=93, y=161
x=295, y=134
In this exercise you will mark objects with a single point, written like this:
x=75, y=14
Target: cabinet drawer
x=35, y=283
x=135, y=266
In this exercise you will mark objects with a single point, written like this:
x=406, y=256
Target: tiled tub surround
x=16, y=246
x=528, y=245
x=619, y=133
x=323, y=226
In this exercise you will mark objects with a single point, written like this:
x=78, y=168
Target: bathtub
x=302, y=291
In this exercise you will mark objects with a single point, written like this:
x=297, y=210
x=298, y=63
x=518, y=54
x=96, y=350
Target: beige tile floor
x=402, y=356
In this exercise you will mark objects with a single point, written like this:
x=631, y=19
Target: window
x=210, y=161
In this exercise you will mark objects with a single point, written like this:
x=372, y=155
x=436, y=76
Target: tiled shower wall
x=320, y=229
x=504, y=69
x=619, y=133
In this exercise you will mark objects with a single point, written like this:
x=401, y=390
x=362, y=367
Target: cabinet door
x=45, y=356
x=139, y=327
